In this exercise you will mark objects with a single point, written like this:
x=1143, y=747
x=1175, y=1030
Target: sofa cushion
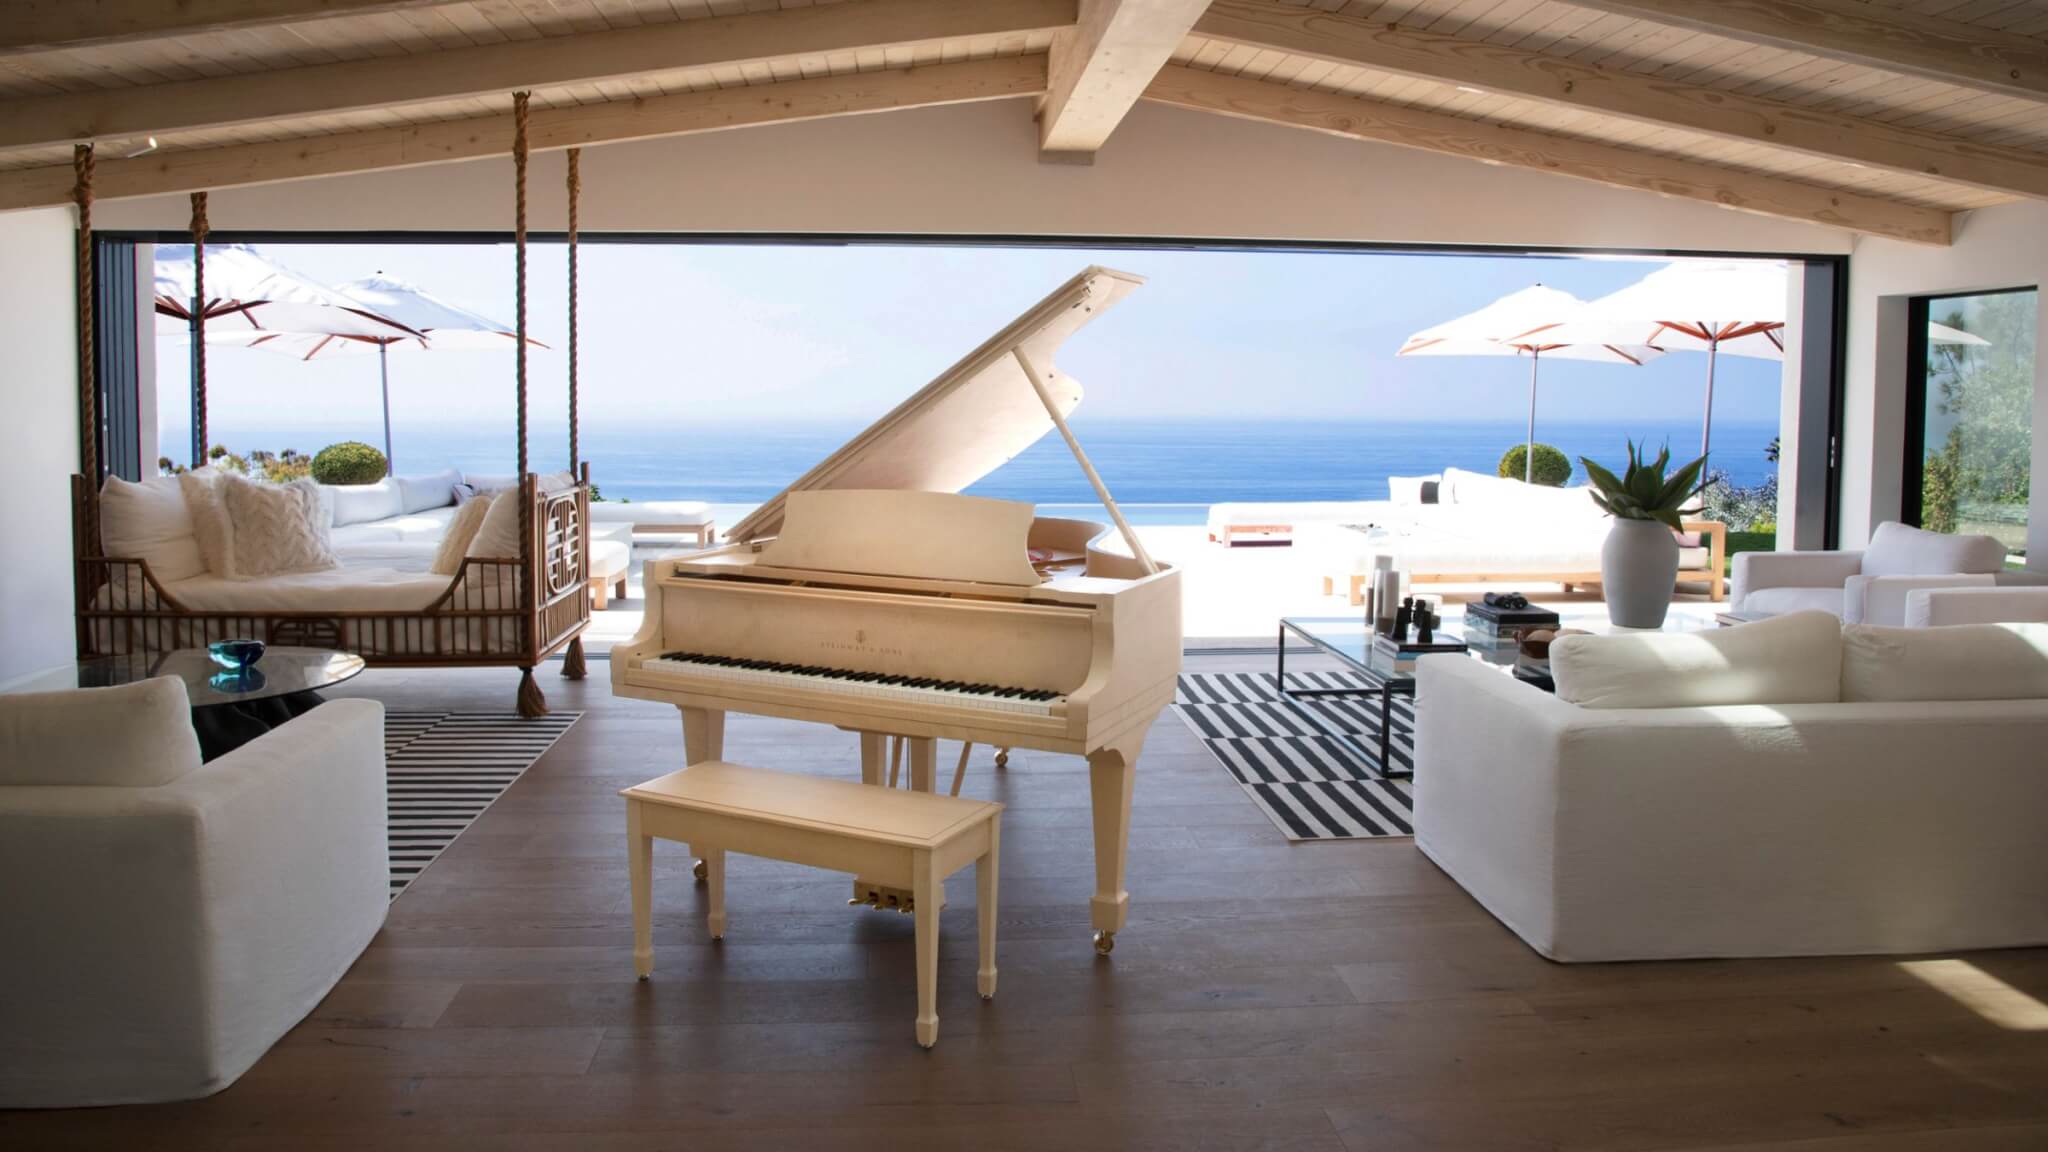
x=150, y=522
x=133, y=736
x=419, y=493
x=361, y=503
x=1962, y=662
x=497, y=534
x=484, y=482
x=1782, y=601
x=1899, y=550
x=279, y=528
x=211, y=526
x=1407, y=490
x=1794, y=659
x=455, y=543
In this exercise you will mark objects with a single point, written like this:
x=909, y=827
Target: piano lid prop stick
x=1059, y=421
x=960, y=769
x=895, y=759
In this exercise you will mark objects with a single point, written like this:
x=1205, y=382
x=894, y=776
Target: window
x=1969, y=412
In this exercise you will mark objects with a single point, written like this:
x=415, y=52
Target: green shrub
x=1552, y=470
x=349, y=462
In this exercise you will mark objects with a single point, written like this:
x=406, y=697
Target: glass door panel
x=1970, y=434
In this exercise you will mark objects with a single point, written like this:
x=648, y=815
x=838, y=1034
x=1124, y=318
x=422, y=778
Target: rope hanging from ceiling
x=199, y=231
x=88, y=384
x=575, y=190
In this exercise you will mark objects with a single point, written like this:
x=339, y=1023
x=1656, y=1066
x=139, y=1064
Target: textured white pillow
x=419, y=493
x=150, y=522
x=362, y=503
x=210, y=524
x=461, y=530
x=1408, y=489
x=278, y=528
x=1794, y=659
x=497, y=535
x=134, y=736
x=1959, y=662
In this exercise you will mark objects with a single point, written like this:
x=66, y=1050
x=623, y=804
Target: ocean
x=1163, y=472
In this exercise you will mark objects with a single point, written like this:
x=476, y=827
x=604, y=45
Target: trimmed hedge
x=1553, y=468
x=349, y=462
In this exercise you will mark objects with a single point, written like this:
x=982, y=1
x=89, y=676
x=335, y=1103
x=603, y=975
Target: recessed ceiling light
x=147, y=147
x=1472, y=90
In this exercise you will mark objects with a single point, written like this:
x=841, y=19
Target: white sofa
x=1486, y=528
x=167, y=920
x=1870, y=585
x=1788, y=787
x=1940, y=607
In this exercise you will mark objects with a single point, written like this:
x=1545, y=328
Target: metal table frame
x=1384, y=687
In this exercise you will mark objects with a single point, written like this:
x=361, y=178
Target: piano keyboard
x=873, y=685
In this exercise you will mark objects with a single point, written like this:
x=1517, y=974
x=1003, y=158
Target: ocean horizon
x=1160, y=472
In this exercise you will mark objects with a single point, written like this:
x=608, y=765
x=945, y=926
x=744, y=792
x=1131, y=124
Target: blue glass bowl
x=235, y=655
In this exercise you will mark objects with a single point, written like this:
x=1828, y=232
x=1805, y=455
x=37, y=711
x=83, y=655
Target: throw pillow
x=1795, y=659
x=497, y=536
x=1957, y=662
x=487, y=483
x=461, y=531
x=151, y=523
x=362, y=503
x=210, y=524
x=278, y=528
x=419, y=493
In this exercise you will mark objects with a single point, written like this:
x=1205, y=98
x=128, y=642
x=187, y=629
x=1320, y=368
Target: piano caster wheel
x=700, y=871
x=1105, y=943
x=1003, y=758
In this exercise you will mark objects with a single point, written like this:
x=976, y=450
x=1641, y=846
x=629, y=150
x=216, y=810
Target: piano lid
x=974, y=418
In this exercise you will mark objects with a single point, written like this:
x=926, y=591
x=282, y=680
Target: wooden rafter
x=1854, y=32
x=554, y=128
x=1101, y=66
x=1507, y=71
x=38, y=25
x=1603, y=163
x=384, y=82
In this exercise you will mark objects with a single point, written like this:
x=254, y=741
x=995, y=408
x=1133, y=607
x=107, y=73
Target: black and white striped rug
x=1310, y=785
x=442, y=769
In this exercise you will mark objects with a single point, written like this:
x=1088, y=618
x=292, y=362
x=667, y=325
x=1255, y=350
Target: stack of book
x=1390, y=657
x=1485, y=620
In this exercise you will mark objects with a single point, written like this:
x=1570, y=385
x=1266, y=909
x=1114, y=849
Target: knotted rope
x=519, y=150
x=88, y=384
x=575, y=189
x=199, y=230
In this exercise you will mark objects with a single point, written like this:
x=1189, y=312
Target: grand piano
x=873, y=596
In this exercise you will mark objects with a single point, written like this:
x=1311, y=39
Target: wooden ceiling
x=1879, y=116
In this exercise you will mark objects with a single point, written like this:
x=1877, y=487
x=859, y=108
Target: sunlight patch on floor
x=1982, y=993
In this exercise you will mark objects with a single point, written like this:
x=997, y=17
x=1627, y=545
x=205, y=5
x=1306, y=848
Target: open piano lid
x=974, y=418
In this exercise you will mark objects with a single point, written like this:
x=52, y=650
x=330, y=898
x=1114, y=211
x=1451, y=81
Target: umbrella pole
x=384, y=379
x=1707, y=417
x=1529, y=448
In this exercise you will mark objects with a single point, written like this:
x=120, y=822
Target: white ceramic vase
x=1638, y=572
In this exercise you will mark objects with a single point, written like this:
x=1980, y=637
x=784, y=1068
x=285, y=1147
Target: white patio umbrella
x=1522, y=324
x=429, y=322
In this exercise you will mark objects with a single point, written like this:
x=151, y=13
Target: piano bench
x=912, y=840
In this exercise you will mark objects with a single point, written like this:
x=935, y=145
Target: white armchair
x=1870, y=585
x=168, y=920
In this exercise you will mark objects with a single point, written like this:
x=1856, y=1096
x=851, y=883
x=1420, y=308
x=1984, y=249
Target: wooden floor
x=1264, y=995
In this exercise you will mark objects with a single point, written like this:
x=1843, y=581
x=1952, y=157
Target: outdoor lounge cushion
x=435, y=490
x=359, y=503
x=150, y=522
x=1794, y=659
x=334, y=590
x=668, y=513
x=1961, y=662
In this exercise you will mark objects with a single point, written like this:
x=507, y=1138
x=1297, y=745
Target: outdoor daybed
x=1487, y=529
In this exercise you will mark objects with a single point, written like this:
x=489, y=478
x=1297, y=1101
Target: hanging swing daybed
x=511, y=611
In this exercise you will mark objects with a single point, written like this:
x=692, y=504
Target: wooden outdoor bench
x=910, y=840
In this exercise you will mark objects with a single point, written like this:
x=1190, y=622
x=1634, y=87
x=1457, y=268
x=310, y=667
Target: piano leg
x=924, y=764
x=1111, y=772
x=703, y=739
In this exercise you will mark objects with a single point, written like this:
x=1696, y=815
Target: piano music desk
x=911, y=840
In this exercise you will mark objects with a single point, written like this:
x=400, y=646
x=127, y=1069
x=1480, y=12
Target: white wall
x=2001, y=247
x=974, y=169
x=38, y=437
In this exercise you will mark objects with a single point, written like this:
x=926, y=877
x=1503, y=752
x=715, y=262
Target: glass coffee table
x=229, y=709
x=1349, y=641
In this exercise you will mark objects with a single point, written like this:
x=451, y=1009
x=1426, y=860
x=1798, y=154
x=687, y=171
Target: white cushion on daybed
x=420, y=493
x=360, y=503
x=332, y=590
x=150, y=522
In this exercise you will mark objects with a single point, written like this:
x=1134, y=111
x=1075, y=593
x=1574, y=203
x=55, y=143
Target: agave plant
x=1645, y=492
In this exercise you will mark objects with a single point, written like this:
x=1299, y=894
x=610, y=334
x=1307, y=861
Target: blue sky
x=710, y=334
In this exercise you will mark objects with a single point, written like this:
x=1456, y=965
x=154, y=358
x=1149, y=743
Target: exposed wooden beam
x=1895, y=39
x=493, y=69
x=38, y=25
x=1602, y=163
x=550, y=128
x=1568, y=84
x=1101, y=66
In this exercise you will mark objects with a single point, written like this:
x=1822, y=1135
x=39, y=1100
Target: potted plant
x=1639, y=562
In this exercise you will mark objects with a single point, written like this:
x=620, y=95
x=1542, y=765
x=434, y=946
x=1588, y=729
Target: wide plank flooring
x=1265, y=995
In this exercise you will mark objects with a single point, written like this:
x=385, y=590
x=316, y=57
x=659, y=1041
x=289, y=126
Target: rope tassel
x=199, y=230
